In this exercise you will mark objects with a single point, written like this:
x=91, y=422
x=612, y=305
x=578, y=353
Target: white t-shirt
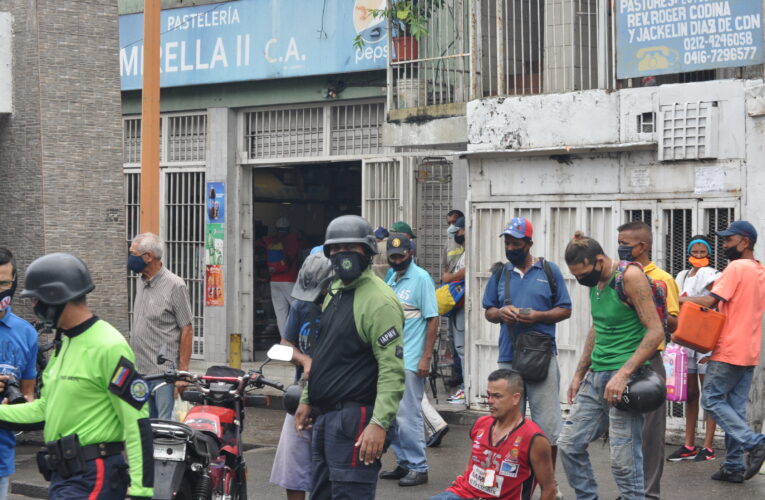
x=696, y=286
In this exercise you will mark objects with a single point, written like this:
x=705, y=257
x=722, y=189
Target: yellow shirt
x=673, y=292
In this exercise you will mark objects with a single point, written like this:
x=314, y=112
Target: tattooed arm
x=640, y=295
x=584, y=364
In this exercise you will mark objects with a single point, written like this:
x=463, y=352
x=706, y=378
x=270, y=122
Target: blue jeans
x=408, y=438
x=161, y=403
x=446, y=495
x=5, y=483
x=725, y=395
x=457, y=331
x=544, y=399
x=590, y=418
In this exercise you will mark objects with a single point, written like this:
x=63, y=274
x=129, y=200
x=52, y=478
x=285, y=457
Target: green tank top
x=618, y=330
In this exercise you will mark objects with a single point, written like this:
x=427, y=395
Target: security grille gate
x=183, y=143
x=386, y=190
x=314, y=131
x=673, y=223
x=434, y=200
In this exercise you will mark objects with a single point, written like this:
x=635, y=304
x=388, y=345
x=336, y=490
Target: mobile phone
x=524, y=310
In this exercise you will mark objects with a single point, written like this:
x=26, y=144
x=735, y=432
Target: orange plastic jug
x=698, y=327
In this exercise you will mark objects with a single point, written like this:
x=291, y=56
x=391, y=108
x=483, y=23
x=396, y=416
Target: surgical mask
x=349, y=265
x=7, y=296
x=592, y=278
x=517, y=257
x=400, y=266
x=732, y=253
x=136, y=263
x=459, y=239
x=696, y=262
x=625, y=253
x=47, y=313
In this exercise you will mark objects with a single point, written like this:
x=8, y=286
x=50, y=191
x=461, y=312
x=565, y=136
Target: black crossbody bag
x=532, y=351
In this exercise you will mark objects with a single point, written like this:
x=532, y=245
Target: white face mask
x=452, y=230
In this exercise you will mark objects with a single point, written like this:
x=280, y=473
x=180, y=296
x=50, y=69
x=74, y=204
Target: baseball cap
x=402, y=227
x=398, y=243
x=518, y=228
x=460, y=223
x=742, y=228
x=381, y=233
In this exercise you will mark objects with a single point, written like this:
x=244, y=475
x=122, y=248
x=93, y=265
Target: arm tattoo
x=586, y=360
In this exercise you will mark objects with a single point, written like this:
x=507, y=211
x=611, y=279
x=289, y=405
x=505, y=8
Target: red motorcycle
x=201, y=458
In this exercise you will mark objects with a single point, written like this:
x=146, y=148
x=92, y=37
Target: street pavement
x=681, y=481
x=687, y=480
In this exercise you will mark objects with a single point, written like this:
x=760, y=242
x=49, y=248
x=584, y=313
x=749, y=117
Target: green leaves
x=409, y=16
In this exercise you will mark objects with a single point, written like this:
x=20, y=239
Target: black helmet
x=56, y=279
x=292, y=397
x=312, y=278
x=645, y=392
x=350, y=229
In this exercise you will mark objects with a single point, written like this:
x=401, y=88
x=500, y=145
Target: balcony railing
x=486, y=48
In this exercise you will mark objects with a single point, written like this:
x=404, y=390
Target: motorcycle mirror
x=280, y=352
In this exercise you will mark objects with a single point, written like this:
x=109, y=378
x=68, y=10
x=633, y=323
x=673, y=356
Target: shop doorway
x=309, y=197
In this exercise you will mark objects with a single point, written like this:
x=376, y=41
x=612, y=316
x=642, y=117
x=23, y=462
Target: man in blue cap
x=740, y=294
x=527, y=297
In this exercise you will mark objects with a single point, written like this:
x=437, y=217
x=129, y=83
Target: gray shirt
x=161, y=309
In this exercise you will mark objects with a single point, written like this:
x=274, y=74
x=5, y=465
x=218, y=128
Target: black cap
x=398, y=243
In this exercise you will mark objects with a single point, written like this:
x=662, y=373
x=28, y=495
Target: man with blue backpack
x=528, y=296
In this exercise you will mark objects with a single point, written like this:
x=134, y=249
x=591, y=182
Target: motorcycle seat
x=207, y=443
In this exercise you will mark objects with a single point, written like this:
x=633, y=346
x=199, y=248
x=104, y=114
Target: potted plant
x=409, y=22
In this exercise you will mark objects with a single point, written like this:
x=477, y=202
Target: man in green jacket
x=92, y=403
x=357, y=373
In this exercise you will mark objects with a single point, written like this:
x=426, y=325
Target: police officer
x=357, y=373
x=92, y=402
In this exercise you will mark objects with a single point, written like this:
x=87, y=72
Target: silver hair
x=149, y=243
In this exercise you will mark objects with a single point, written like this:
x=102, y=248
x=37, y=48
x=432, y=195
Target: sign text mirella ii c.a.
x=250, y=40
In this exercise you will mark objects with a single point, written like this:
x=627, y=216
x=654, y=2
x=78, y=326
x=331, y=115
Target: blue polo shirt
x=417, y=294
x=530, y=290
x=18, y=357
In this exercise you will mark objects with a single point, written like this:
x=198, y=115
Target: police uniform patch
x=139, y=390
x=388, y=337
x=126, y=383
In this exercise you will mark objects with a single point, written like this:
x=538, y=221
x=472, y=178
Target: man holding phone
x=537, y=299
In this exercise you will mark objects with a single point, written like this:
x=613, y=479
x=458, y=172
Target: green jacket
x=358, y=355
x=79, y=397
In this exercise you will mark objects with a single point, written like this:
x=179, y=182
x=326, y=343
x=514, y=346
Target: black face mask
x=7, y=296
x=349, y=265
x=625, y=253
x=401, y=266
x=459, y=239
x=732, y=253
x=517, y=257
x=592, y=278
x=48, y=314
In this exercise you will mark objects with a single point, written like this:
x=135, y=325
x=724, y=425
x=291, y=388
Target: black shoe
x=396, y=473
x=414, y=478
x=755, y=460
x=436, y=438
x=728, y=475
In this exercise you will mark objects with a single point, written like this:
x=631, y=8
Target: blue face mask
x=136, y=263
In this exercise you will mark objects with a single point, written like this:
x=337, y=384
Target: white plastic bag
x=181, y=409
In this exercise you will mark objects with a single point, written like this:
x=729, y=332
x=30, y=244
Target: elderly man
x=161, y=319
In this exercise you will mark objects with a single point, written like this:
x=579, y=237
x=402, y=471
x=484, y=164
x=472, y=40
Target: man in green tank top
x=622, y=338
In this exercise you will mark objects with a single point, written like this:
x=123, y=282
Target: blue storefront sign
x=656, y=37
x=256, y=40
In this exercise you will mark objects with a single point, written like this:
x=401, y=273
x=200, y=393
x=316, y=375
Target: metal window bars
x=187, y=137
x=133, y=216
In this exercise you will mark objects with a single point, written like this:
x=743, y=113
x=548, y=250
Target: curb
x=29, y=490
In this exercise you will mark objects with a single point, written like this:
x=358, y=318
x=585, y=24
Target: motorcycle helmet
x=350, y=229
x=645, y=392
x=313, y=277
x=57, y=278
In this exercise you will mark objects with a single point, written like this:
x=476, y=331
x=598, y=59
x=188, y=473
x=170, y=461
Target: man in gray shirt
x=161, y=318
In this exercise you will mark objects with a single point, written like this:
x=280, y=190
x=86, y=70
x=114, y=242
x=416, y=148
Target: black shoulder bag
x=532, y=350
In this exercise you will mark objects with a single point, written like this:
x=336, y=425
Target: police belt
x=68, y=458
x=321, y=410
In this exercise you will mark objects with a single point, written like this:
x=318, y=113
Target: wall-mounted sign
x=214, y=295
x=216, y=202
x=657, y=37
x=256, y=40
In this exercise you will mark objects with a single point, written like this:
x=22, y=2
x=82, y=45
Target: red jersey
x=502, y=471
x=282, y=257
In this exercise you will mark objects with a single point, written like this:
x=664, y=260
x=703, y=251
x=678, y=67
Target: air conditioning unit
x=688, y=131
